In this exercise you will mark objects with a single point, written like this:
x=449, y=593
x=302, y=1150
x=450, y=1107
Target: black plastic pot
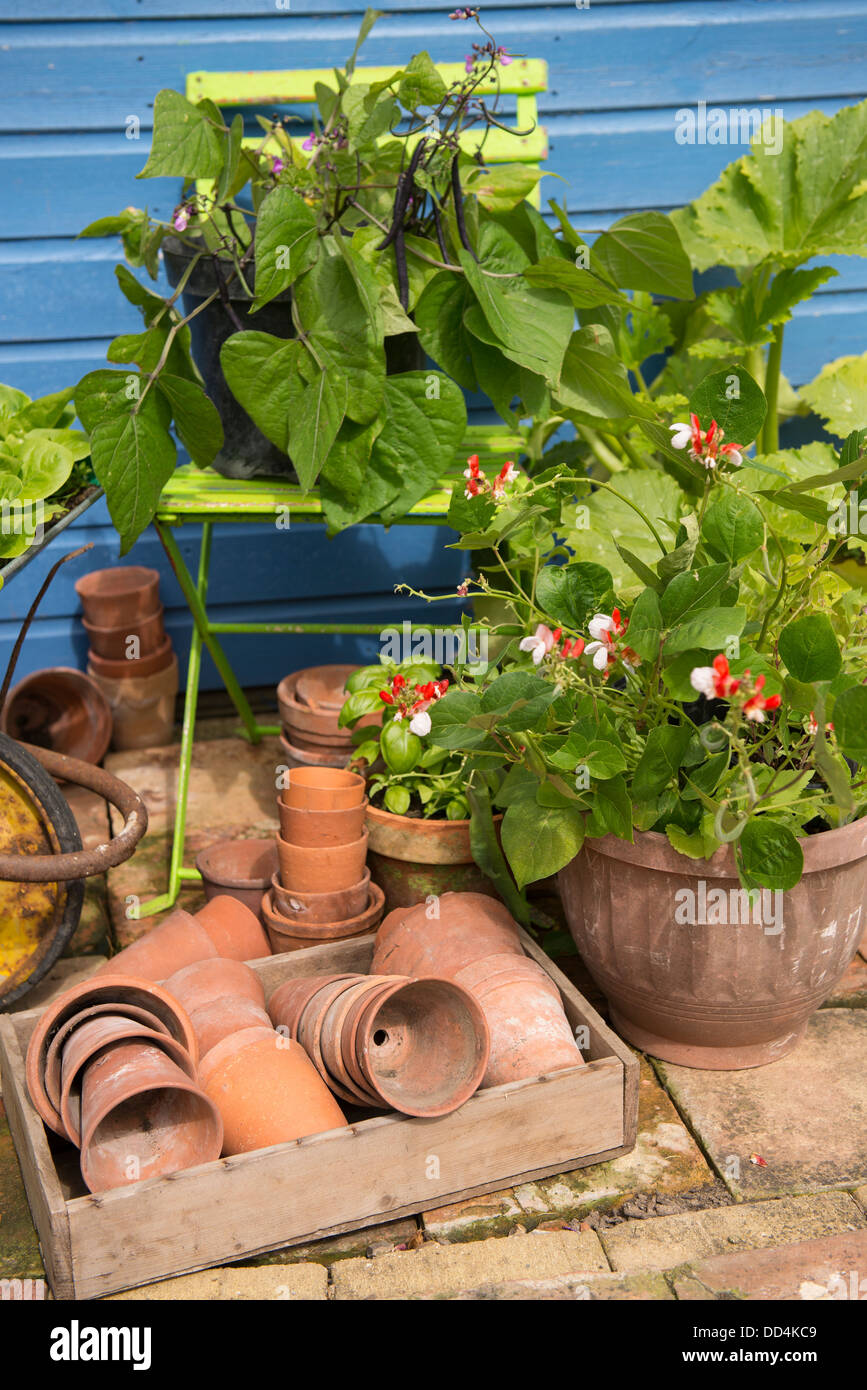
x=246, y=453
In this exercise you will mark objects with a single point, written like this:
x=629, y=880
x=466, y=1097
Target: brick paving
x=687, y=1215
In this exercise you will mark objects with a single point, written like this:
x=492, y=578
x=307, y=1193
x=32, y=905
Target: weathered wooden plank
x=94, y=75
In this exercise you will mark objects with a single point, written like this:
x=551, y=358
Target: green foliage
x=38, y=457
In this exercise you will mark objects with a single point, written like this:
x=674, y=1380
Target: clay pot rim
x=224, y=882
x=151, y=665
x=77, y=1020
x=332, y=893
x=429, y=823
x=310, y=983
x=287, y=926
x=336, y=758
x=315, y=851
x=89, y=584
x=55, y=1014
x=127, y=629
x=651, y=850
x=343, y=785
x=84, y=685
x=324, y=811
x=286, y=687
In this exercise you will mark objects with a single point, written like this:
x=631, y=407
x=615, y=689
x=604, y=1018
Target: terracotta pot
x=423, y=1046
x=112, y=597
x=331, y=1042
x=142, y=707
x=119, y=989
x=235, y=931
x=306, y=909
x=62, y=709
x=718, y=995
x=323, y=687
x=179, y=940
x=222, y=1017
x=286, y=935
x=289, y=1000
x=412, y=858
x=54, y=1056
x=503, y=969
x=141, y=1117
x=323, y=789
x=267, y=1091
x=206, y=980
x=130, y=668
x=314, y=756
x=321, y=828
x=241, y=869
x=312, y=869
x=111, y=643
x=530, y=1033
x=310, y=1034
x=469, y=927
x=379, y=986
x=303, y=717
x=89, y=1040
x=336, y=743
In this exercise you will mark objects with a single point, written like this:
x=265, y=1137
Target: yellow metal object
x=29, y=912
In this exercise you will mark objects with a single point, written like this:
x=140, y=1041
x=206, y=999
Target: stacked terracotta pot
x=131, y=656
x=322, y=891
x=384, y=1041
x=472, y=939
x=111, y=1065
x=310, y=702
x=261, y=1082
x=223, y=927
x=241, y=869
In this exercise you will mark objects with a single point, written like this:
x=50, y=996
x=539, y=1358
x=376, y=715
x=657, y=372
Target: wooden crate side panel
x=341, y=1180
x=47, y=1203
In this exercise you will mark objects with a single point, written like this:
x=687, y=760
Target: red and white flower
x=540, y=643
x=813, y=725
x=415, y=709
x=706, y=446
x=507, y=474
x=755, y=706
x=474, y=476
x=714, y=681
x=605, y=628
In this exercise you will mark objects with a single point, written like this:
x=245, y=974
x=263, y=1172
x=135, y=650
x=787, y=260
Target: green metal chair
x=201, y=496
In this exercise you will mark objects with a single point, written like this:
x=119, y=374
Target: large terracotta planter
x=412, y=858
x=720, y=995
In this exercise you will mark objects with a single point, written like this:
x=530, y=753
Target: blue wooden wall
x=73, y=71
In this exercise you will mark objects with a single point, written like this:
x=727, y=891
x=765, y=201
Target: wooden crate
x=325, y=1184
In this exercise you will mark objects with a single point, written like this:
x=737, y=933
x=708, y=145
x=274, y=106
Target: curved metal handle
x=59, y=868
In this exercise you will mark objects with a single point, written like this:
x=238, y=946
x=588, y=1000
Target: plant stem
x=771, y=430
x=605, y=455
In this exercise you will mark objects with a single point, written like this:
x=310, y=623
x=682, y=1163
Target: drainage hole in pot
x=380, y=1037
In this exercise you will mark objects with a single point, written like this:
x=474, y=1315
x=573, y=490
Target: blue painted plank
x=605, y=161
x=16, y=10
x=78, y=76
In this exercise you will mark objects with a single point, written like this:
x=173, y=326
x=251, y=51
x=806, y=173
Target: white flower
x=681, y=435
x=703, y=679
x=420, y=723
x=598, y=651
x=540, y=643
x=599, y=626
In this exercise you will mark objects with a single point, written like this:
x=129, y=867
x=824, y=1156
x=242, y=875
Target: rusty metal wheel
x=36, y=919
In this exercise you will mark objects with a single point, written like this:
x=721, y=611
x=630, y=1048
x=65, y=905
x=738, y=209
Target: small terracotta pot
x=310, y=1034
x=289, y=1000
x=267, y=1091
x=142, y=707
x=206, y=980
x=320, y=828
x=133, y=668
x=310, y=869
x=119, y=989
x=379, y=986
x=308, y=909
x=61, y=709
x=530, y=1033
x=469, y=927
x=90, y=1039
x=423, y=1046
x=340, y=743
x=142, y=1117
x=323, y=789
x=179, y=940
x=112, y=597
x=313, y=756
x=240, y=869
x=234, y=930
x=308, y=718
x=322, y=687
x=290, y=936
x=413, y=858
x=331, y=1043
x=54, y=1056
x=110, y=643
x=222, y=1017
